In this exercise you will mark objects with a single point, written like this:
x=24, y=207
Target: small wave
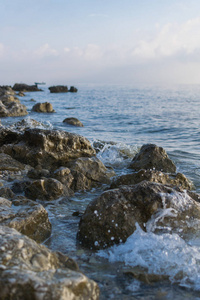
x=166, y=254
x=114, y=154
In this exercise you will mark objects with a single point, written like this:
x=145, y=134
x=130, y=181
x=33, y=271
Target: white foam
x=166, y=254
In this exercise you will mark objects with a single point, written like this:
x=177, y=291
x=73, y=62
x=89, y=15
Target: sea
x=121, y=118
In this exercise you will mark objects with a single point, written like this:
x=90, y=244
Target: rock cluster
x=10, y=106
x=22, y=87
x=149, y=197
x=62, y=89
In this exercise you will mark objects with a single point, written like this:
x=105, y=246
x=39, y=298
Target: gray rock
x=31, y=271
x=153, y=157
x=111, y=218
x=26, y=216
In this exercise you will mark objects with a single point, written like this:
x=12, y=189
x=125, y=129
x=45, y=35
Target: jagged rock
x=64, y=175
x=10, y=164
x=73, y=121
x=38, y=173
x=22, y=87
x=26, y=216
x=153, y=157
x=89, y=171
x=31, y=271
x=58, y=89
x=47, y=148
x=45, y=107
x=176, y=180
x=111, y=218
x=46, y=189
x=12, y=109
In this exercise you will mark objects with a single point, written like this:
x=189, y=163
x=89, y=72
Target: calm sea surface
x=125, y=118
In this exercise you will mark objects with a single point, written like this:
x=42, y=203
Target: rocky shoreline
x=45, y=165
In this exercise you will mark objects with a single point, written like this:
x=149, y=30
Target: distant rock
x=73, y=121
x=45, y=107
x=31, y=271
x=73, y=89
x=22, y=87
x=153, y=157
x=58, y=89
x=21, y=94
x=62, y=89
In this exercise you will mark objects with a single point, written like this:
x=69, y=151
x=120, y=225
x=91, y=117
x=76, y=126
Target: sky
x=100, y=41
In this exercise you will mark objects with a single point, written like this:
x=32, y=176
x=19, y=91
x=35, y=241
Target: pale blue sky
x=61, y=41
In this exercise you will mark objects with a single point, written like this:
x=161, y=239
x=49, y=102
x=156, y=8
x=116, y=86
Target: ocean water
x=124, y=118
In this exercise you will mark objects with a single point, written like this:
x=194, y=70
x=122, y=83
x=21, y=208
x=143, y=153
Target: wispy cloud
x=46, y=50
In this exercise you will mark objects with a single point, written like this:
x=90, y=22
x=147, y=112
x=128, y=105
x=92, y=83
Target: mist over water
x=123, y=118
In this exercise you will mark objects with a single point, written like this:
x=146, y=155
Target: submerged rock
x=31, y=271
x=111, y=218
x=73, y=121
x=153, y=157
x=45, y=107
x=26, y=216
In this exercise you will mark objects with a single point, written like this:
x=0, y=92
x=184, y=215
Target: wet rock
x=21, y=94
x=47, y=148
x=46, y=189
x=38, y=173
x=10, y=164
x=26, y=216
x=176, y=180
x=73, y=89
x=88, y=171
x=19, y=186
x=142, y=274
x=58, y=89
x=12, y=109
x=31, y=271
x=6, y=192
x=73, y=121
x=45, y=107
x=111, y=218
x=22, y=87
x=153, y=157
x=64, y=175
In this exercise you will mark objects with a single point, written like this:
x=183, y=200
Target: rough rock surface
x=47, y=148
x=46, y=189
x=45, y=107
x=22, y=87
x=31, y=271
x=73, y=121
x=153, y=157
x=10, y=164
x=177, y=180
x=111, y=218
x=26, y=216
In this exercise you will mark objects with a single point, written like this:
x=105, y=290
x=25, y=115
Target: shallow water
x=126, y=117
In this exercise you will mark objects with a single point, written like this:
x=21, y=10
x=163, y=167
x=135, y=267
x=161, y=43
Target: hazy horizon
x=115, y=42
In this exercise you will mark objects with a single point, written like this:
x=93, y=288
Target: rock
x=73, y=89
x=58, y=89
x=31, y=271
x=21, y=94
x=22, y=87
x=46, y=189
x=45, y=107
x=47, y=148
x=38, y=173
x=89, y=171
x=12, y=109
x=111, y=218
x=7, y=193
x=64, y=175
x=73, y=121
x=177, y=180
x=10, y=164
x=153, y=157
x=26, y=216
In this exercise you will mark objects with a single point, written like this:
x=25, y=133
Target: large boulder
x=26, y=216
x=45, y=107
x=112, y=217
x=9, y=108
x=153, y=157
x=22, y=87
x=31, y=271
x=176, y=180
x=58, y=89
x=47, y=148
